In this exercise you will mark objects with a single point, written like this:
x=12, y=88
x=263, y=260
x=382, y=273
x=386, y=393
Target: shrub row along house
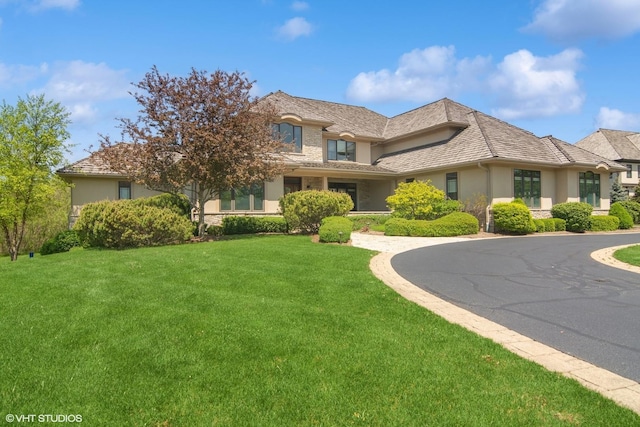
x=350, y=149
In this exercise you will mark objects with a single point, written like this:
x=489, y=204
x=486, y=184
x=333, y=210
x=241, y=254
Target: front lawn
x=264, y=331
x=630, y=255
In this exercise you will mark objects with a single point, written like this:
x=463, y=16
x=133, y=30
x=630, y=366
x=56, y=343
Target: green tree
x=415, y=200
x=32, y=146
x=203, y=131
x=617, y=193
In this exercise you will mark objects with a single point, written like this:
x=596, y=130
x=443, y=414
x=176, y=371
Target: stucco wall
x=87, y=190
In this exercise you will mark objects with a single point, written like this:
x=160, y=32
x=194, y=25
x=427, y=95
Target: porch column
x=325, y=183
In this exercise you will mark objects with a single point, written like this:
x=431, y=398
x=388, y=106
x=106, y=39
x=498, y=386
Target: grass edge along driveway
x=271, y=330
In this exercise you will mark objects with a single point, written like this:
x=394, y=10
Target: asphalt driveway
x=545, y=287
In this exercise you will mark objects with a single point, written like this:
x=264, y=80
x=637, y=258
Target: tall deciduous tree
x=32, y=145
x=203, y=131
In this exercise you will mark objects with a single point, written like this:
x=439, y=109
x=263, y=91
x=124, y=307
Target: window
x=243, y=199
x=590, y=188
x=290, y=134
x=341, y=150
x=452, y=185
x=124, y=190
x=526, y=186
x=629, y=170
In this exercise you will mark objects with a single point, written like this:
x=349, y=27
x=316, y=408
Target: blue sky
x=553, y=67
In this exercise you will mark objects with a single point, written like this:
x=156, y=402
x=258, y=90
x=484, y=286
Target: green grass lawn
x=261, y=331
x=630, y=255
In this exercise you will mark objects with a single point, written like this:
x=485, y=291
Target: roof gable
x=339, y=118
x=612, y=144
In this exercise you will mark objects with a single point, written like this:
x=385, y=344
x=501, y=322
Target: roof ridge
x=564, y=152
x=490, y=146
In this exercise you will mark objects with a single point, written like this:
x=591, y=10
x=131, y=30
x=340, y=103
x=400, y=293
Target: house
x=354, y=150
x=620, y=146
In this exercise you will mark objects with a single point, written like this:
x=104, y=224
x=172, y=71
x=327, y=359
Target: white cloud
x=52, y=4
x=294, y=28
x=12, y=75
x=521, y=86
x=40, y=5
x=81, y=81
x=80, y=86
x=611, y=118
x=571, y=20
x=527, y=86
x=299, y=6
x=421, y=76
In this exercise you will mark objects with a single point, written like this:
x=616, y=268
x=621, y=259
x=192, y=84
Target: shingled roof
x=479, y=137
x=339, y=118
x=487, y=138
x=89, y=166
x=613, y=144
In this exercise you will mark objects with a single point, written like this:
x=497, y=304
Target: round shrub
x=577, y=215
x=335, y=229
x=633, y=208
x=513, y=218
x=179, y=203
x=417, y=200
x=604, y=223
x=62, y=242
x=304, y=210
x=618, y=210
x=128, y=224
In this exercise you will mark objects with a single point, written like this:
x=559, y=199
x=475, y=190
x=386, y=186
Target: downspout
x=489, y=196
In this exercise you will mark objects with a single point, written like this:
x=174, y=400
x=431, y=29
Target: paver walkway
x=622, y=390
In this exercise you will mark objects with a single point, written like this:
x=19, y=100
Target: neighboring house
x=353, y=150
x=620, y=146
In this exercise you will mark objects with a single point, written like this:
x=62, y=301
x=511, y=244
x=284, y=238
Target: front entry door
x=292, y=185
x=350, y=189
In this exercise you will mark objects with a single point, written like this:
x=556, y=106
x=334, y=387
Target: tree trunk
x=202, y=226
x=11, y=243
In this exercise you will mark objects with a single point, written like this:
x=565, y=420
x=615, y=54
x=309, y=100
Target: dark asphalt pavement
x=545, y=287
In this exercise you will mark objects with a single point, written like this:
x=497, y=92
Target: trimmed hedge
x=129, y=224
x=560, y=224
x=304, y=210
x=619, y=211
x=253, y=224
x=604, y=223
x=633, y=208
x=549, y=224
x=62, y=242
x=576, y=214
x=513, y=218
x=335, y=229
x=541, y=227
x=454, y=224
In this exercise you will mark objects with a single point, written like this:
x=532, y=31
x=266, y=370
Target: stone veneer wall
x=312, y=143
